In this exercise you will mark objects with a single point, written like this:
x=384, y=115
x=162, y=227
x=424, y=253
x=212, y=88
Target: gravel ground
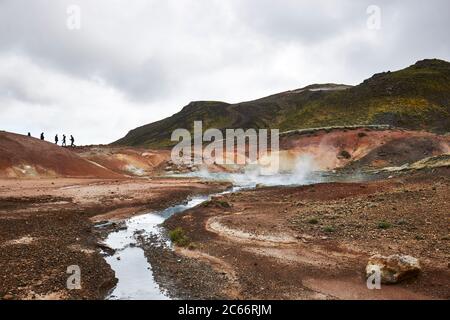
x=46, y=225
x=313, y=242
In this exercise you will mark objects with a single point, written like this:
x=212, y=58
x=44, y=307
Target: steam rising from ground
x=299, y=172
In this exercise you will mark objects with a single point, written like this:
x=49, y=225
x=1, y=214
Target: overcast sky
x=134, y=62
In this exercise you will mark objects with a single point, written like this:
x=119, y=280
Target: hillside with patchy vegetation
x=417, y=98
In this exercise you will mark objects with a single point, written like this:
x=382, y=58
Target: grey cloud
x=307, y=22
x=155, y=56
x=40, y=32
x=12, y=88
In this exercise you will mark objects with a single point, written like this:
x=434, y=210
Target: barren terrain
x=46, y=225
x=313, y=242
x=302, y=242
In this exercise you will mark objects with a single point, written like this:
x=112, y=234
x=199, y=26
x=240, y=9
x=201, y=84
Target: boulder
x=394, y=268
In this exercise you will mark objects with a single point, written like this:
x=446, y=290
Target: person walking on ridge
x=63, y=143
x=56, y=139
x=72, y=141
x=42, y=136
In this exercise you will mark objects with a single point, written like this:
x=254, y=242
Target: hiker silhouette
x=72, y=141
x=42, y=136
x=63, y=143
x=29, y=134
x=56, y=139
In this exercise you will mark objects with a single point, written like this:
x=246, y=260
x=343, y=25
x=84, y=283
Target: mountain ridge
x=416, y=97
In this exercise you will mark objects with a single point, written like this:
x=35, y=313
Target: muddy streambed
x=134, y=273
x=131, y=267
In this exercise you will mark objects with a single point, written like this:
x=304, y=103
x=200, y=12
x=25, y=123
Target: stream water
x=133, y=271
x=129, y=262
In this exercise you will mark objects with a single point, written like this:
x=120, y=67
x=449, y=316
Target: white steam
x=301, y=172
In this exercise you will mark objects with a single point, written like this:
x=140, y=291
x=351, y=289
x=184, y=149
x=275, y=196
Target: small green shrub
x=179, y=237
x=217, y=203
x=313, y=221
x=223, y=204
x=328, y=229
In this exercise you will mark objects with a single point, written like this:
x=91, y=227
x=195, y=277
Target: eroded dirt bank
x=46, y=225
x=313, y=242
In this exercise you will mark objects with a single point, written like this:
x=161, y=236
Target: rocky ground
x=313, y=242
x=46, y=225
x=309, y=242
x=171, y=270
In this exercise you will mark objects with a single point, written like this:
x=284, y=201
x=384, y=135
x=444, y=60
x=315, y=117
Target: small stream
x=129, y=262
x=134, y=272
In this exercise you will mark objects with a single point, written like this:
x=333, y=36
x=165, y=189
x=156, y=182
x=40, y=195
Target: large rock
x=394, y=268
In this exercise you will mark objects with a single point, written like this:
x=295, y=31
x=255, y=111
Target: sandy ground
x=308, y=242
x=313, y=242
x=46, y=225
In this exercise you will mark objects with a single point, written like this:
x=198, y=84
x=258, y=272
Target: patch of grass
x=384, y=225
x=415, y=97
x=313, y=221
x=223, y=204
x=217, y=203
x=178, y=237
x=329, y=229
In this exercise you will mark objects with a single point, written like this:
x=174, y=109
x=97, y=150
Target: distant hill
x=22, y=156
x=417, y=97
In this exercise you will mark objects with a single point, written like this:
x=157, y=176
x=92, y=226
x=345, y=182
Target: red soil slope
x=127, y=161
x=22, y=156
x=364, y=147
